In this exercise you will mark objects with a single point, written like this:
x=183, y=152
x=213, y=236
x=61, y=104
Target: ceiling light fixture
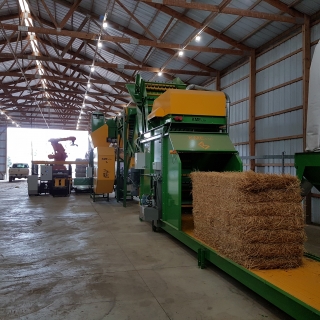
x=180, y=53
x=105, y=24
x=89, y=85
x=159, y=73
x=92, y=69
x=198, y=38
x=99, y=44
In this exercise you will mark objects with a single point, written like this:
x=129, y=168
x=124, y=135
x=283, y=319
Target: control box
x=156, y=166
x=140, y=160
x=45, y=173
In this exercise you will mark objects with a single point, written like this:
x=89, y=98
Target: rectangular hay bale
x=252, y=218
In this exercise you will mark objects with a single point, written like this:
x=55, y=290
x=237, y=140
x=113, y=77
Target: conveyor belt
x=303, y=283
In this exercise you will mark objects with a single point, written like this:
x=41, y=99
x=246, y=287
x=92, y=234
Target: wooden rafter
x=142, y=42
x=226, y=10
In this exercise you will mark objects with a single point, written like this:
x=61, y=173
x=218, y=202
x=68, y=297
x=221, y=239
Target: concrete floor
x=69, y=258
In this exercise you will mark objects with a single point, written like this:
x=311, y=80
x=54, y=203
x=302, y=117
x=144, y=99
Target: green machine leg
x=202, y=258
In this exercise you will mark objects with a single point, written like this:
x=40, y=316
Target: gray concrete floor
x=69, y=258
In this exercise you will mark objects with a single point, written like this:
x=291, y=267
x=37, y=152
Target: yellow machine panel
x=103, y=170
x=99, y=137
x=189, y=102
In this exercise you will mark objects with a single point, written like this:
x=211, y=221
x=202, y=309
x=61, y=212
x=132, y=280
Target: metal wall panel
x=279, y=73
x=239, y=133
x=235, y=75
x=3, y=151
x=280, y=99
x=239, y=112
x=283, y=125
x=236, y=85
x=315, y=33
x=212, y=86
x=279, y=51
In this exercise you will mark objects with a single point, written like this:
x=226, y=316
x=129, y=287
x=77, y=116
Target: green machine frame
x=171, y=147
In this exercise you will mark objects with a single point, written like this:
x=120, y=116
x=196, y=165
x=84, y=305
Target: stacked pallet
x=254, y=219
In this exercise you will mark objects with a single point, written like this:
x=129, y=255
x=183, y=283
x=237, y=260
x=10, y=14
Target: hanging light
x=198, y=38
x=85, y=96
x=99, y=44
x=105, y=24
x=180, y=53
x=92, y=69
x=89, y=85
x=159, y=73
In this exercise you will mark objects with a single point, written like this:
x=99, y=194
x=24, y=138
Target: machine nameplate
x=200, y=138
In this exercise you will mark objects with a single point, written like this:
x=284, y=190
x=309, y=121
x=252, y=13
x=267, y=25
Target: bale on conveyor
x=252, y=218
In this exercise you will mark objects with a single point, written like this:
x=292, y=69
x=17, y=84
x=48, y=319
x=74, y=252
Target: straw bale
x=254, y=219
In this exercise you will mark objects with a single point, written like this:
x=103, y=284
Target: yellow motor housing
x=189, y=102
x=99, y=137
x=103, y=170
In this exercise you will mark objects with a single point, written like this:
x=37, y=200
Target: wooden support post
x=252, y=109
x=218, y=81
x=306, y=49
x=306, y=52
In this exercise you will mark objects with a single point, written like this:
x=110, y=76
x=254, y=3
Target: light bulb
x=92, y=69
x=198, y=38
x=159, y=73
x=99, y=44
x=89, y=85
x=180, y=53
x=105, y=24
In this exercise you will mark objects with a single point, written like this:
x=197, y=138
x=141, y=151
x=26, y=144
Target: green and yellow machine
x=174, y=141
x=171, y=131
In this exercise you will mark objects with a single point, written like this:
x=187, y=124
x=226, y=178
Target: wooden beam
x=70, y=13
x=136, y=19
x=306, y=61
x=252, y=110
x=218, y=83
x=106, y=65
x=135, y=35
x=142, y=42
x=283, y=7
x=49, y=13
x=226, y=10
x=197, y=25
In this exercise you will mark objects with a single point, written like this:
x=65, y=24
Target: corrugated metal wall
x=279, y=107
x=279, y=99
x=236, y=85
x=3, y=151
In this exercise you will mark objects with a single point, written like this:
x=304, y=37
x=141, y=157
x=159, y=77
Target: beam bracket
x=23, y=28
